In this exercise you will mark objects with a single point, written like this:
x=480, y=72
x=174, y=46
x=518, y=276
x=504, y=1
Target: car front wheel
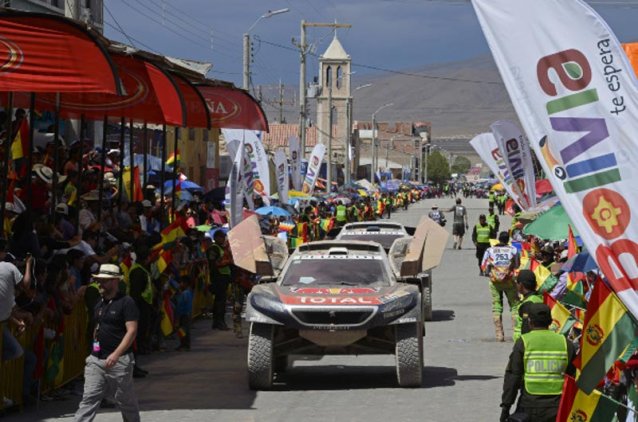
x=260, y=356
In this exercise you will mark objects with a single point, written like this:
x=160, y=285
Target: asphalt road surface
x=463, y=371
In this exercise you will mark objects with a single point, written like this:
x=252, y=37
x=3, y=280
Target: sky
x=385, y=34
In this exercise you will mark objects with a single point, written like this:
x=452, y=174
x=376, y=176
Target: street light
x=266, y=15
x=375, y=147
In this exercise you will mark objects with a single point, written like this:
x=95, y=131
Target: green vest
x=491, y=220
x=491, y=197
x=483, y=233
x=225, y=270
x=533, y=298
x=341, y=213
x=147, y=294
x=545, y=361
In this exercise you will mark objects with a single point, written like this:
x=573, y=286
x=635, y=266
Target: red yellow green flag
x=576, y=405
x=174, y=159
x=138, y=195
x=545, y=280
x=20, y=144
x=607, y=331
x=562, y=320
x=572, y=247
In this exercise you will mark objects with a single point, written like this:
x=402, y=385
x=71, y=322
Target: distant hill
x=443, y=95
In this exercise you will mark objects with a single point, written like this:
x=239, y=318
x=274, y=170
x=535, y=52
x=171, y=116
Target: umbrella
x=184, y=185
x=204, y=228
x=551, y=225
x=581, y=263
x=276, y=211
x=217, y=194
x=498, y=186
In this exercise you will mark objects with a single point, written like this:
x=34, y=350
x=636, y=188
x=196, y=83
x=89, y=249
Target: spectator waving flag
x=562, y=320
x=608, y=330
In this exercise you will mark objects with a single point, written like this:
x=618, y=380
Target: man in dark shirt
x=109, y=368
x=536, y=367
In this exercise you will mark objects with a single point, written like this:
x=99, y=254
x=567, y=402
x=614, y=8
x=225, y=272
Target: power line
x=121, y=30
x=149, y=48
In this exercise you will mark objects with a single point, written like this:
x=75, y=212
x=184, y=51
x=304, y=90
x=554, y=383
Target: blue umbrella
x=213, y=231
x=581, y=263
x=184, y=184
x=276, y=211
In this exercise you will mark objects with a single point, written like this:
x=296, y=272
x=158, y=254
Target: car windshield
x=384, y=239
x=336, y=271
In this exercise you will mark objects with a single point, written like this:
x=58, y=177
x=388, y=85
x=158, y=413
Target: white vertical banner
x=486, y=147
x=294, y=147
x=314, y=165
x=232, y=147
x=518, y=159
x=235, y=188
x=281, y=168
x=256, y=154
x=576, y=95
x=247, y=175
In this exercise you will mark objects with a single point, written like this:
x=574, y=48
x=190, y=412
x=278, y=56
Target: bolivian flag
x=562, y=320
x=545, y=280
x=174, y=159
x=576, y=405
x=607, y=332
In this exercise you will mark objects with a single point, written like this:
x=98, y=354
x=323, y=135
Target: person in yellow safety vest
x=220, y=261
x=380, y=207
x=341, y=214
x=536, y=367
x=526, y=285
x=388, y=204
x=141, y=290
x=481, y=236
x=493, y=221
x=491, y=198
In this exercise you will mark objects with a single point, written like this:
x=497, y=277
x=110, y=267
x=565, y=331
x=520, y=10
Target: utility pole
x=281, y=102
x=303, y=50
x=348, y=148
x=375, y=142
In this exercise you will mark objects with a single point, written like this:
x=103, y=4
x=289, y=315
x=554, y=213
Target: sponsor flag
x=576, y=405
x=235, y=195
x=294, y=149
x=575, y=93
x=313, y=169
x=257, y=158
x=517, y=156
x=137, y=195
x=281, y=168
x=487, y=148
x=174, y=159
x=607, y=331
x=562, y=320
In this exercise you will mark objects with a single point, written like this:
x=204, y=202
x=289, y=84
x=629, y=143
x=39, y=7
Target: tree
x=461, y=165
x=438, y=168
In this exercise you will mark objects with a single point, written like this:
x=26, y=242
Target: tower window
x=329, y=76
x=339, y=76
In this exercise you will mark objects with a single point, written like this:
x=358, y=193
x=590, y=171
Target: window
x=339, y=76
x=329, y=76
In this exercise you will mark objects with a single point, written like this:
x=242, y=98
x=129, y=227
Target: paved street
x=462, y=376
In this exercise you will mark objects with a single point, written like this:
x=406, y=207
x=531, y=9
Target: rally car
x=335, y=297
x=385, y=233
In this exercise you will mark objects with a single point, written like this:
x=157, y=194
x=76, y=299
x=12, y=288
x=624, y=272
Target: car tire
x=426, y=297
x=260, y=356
x=409, y=354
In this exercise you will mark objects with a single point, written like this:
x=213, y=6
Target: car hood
x=339, y=295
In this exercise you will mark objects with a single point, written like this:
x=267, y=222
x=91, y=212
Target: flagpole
x=173, y=196
x=8, y=140
x=145, y=151
x=81, y=164
x=131, y=159
x=163, y=169
x=30, y=153
x=56, y=154
x=120, y=185
x=102, y=164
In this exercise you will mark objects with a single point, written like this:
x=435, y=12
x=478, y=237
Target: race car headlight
x=267, y=304
x=403, y=302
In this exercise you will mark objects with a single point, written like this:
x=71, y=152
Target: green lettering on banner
x=592, y=181
x=571, y=101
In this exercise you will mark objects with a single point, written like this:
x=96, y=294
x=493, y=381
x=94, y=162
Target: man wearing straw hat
x=109, y=367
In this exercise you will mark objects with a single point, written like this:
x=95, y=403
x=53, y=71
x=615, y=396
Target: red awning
x=152, y=96
x=196, y=111
x=233, y=108
x=47, y=53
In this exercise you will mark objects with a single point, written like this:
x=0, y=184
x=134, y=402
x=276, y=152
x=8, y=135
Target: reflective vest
x=491, y=197
x=225, y=270
x=341, y=213
x=544, y=361
x=483, y=234
x=533, y=298
x=147, y=294
x=491, y=220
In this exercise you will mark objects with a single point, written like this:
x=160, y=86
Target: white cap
x=62, y=209
x=146, y=203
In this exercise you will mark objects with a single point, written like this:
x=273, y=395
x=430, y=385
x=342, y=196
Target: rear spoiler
x=422, y=252
x=261, y=255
